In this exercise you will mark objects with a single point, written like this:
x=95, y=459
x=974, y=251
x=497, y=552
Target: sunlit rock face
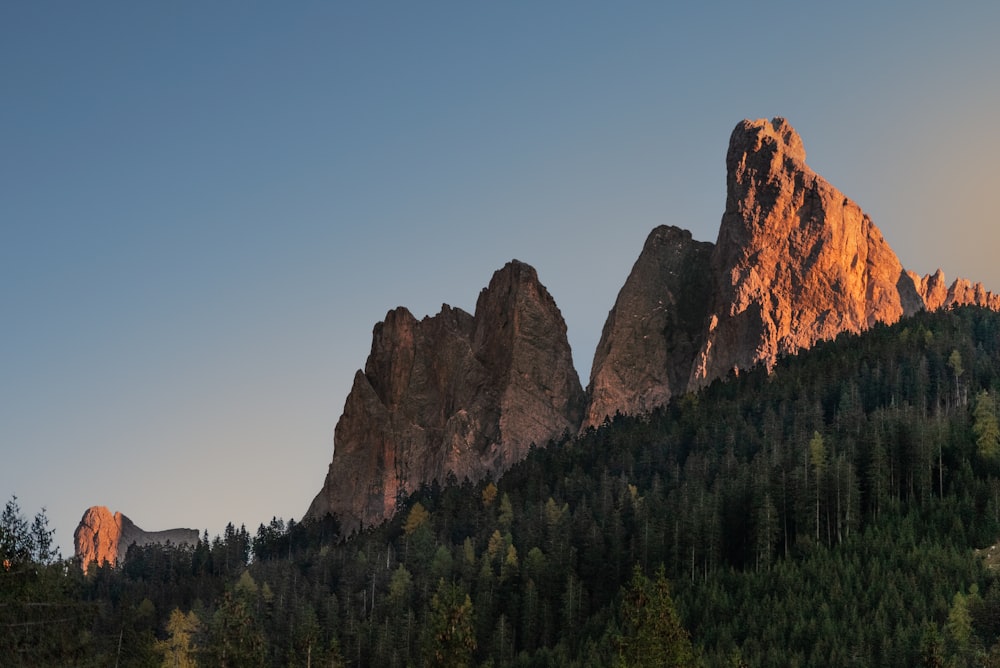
x=795, y=262
x=452, y=393
x=104, y=537
x=937, y=294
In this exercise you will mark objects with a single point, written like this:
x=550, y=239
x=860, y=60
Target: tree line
x=825, y=513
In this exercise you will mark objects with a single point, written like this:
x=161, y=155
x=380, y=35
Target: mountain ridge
x=795, y=262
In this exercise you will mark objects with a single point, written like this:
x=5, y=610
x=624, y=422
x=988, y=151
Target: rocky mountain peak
x=765, y=140
x=654, y=329
x=795, y=262
x=452, y=393
x=104, y=537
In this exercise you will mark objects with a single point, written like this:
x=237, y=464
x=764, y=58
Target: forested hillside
x=826, y=513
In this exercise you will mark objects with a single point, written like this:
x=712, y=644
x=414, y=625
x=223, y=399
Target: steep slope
x=104, y=537
x=795, y=262
x=654, y=329
x=453, y=393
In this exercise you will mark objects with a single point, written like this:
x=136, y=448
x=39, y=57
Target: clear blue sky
x=205, y=207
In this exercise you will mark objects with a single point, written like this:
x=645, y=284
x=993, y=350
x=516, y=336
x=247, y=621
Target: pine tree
x=652, y=634
x=986, y=427
x=449, y=634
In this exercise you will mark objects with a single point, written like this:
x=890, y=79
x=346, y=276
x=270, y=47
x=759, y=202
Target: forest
x=836, y=510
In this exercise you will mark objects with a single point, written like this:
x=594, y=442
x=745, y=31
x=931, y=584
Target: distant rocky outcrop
x=453, y=393
x=795, y=262
x=104, y=537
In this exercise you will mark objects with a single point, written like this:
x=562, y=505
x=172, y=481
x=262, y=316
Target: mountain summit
x=453, y=393
x=795, y=262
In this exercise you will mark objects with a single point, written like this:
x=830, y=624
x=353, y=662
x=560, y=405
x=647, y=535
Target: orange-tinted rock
x=931, y=288
x=104, y=537
x=936, y=294
x=965, y=293
x=452, y=393
x=795, y=262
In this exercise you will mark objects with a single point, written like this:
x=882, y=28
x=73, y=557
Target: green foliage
x=824, y=513
x=23, y=543
x=931, y=648
x=449, y=635
x=958, y=628
x=417, y=518
x=652, y=634
x=42, y=619
x=234, y=636
x=986, y=426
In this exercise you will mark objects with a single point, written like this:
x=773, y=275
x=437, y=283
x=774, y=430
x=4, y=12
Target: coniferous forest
x=836, y=510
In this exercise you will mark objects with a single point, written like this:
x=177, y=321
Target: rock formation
x=103, y=537
x=453, y=393
x=655, y=329
x=795, y=262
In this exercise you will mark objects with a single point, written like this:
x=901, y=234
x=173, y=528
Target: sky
x=206, y=207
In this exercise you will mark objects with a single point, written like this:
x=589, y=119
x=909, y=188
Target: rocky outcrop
x=795, y=262
x=104, y=537
x=655, y=328
x=936, y=294
x=452, y=393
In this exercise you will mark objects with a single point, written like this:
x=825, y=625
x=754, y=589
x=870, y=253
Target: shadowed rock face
x=453, y=393
x=103, y=537
x=795, y=262
x=655, y=328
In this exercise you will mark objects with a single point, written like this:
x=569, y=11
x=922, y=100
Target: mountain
x=655, y=329
x=795, y=262
x=453, y=393
x=104, y=537
x=848, y=485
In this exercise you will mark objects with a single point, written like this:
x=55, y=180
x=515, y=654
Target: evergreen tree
x=986, y=427
x=652, y=634
x=449, y=634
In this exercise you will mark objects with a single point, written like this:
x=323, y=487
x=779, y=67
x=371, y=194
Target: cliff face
x=654, y=329
x=795, y=262
x=459, y=393
x=104, y=537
